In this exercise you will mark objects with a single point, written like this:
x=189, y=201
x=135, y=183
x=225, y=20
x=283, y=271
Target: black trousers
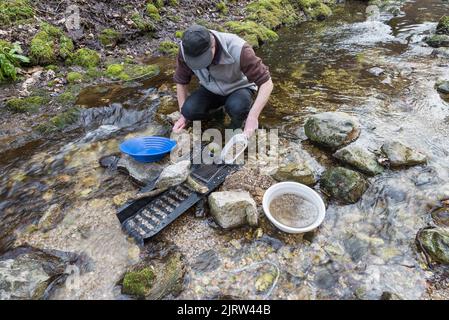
x=201, y=104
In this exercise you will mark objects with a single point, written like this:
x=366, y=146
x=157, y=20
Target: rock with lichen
x=332, y=129
x=360, y=159
x=435, y=243
x=343, y=184
x=400, y=154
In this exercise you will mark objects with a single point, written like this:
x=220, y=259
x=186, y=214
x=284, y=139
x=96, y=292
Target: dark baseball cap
x=196, y=45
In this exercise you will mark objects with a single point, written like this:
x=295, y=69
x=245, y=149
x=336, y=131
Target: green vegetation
x=66, y=98
x=315, y=9
x=12, y=11
x=173, y=3
x=85, y=58
x=74, y=77
x=438, y=40
x=179, y=34
x=49, y=44
x=28, y=104
x=138, y=283
x=141, y=23
x=153, y=12
x=10, y=59
x=222, y=7
x=127, y=71
x=60, y=121
x=158, y=3
x=109, y=37
x=443, y=25
x=252, y=32
x=169, y=47
x=272, y=13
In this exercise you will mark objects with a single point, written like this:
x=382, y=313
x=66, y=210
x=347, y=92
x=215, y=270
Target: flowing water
x=364, y=250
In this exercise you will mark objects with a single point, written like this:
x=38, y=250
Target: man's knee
x=238, y=107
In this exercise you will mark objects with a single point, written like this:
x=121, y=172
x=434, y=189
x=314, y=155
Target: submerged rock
x=399, y=154
x=173, y=175
x=359, y=158
x=332, y=129
x=206, y=261
x=437, y=40
x=443, y=87
x=441, y=216
x=435, y=242
x=344, y=184
x=293, y=168
x=376, y=71
x=232, y=209
x=51, y=217
x=142, y=173
x=156, y=279
x=29, y=273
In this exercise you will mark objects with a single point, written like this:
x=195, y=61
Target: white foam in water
x=367, y=33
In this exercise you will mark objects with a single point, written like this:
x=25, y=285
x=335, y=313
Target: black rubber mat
x=144, y=218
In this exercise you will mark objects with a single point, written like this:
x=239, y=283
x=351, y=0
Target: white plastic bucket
x=300, y=190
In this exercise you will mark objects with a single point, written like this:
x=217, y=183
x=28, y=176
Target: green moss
x=49, y=44
x=94, y=72
x=158, y=3
x=173, y=3
x=85, y=57
x=74, y=77
x=127, y=71
x=438, y=40
x=315, y=9
x=114, y=70
x=141, y=23
x=179, y=34
x=28, y=104
x=222, y=7
x=173, y=18
x=272, y=13
x=12, y=11
x=66, y=97
x=10, y=59
x=169, y=48
x=443, y=25
x=60, y=121
x=109, y=37
x=251, y=31
x=153, y=12
x=209, y=25
x=52, y=67
x=138, y=283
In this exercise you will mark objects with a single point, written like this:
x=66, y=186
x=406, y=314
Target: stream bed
x=374, y=67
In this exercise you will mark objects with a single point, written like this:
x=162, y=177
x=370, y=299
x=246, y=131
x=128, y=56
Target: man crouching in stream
x=229, y=73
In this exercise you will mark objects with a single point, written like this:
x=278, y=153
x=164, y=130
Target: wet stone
x=359, y=158
x=343, y=184
x=295, y=169
x=435, y=243
x=173, y=175
x=376, y=71
x=443, y=87
x=400, y=154
x=332, y=129
x=142, y=173
x=441, y=216
x=206, y=261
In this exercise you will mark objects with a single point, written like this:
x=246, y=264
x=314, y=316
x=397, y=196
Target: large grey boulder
x=343, y=184
x=28, y=273
x=332, y=129
x=400, y=154
x=173, y=175
x=359, y=158
x=232, y=209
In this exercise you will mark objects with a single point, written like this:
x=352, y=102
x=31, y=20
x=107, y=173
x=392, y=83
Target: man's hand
x=251, y=125
x=180, y=124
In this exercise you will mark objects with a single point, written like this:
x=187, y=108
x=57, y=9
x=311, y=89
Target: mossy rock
x=60, y=121
x=66, y=97
x=138, y=283
x=343, y=184
x=435, y=242
x=443, y=26
x=222, y=7
x=179, y=34
x=158, y=3
x=441, y=216
x=109, y=37
x=438, y=40
x=315, y=9
x=126, y=71
x=141, y=23
x=85, y=57
x=272, y=13
x=28, y=104
x=169, y=48
x=74, y=77
x=49, y=44
x=13, y=11
x=252, y=32
x=153, y=12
